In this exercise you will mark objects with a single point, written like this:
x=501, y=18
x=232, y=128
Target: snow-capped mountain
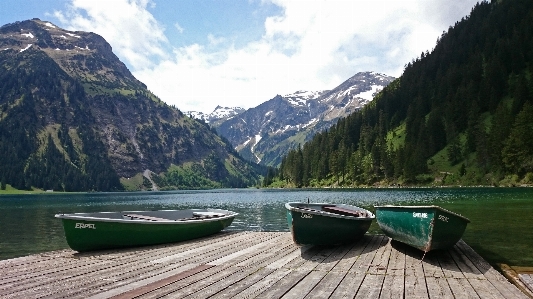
x=220, y=114
x=264, y=134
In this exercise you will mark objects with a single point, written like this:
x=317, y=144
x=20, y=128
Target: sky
x=197, y=54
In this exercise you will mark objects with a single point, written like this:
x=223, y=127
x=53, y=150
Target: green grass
x=133, y=183
x=10, y=190
x=396, y=137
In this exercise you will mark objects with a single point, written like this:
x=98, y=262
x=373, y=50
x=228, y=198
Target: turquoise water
x=500, y=228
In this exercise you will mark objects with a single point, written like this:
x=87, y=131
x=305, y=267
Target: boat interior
x=333, y=209
x=168, y=215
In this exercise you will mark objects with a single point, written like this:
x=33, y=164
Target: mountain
x=219, y=115
x=74, y=118
x=266, y=133
x=460, y=115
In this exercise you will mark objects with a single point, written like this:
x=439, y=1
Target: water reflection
x=500, y=216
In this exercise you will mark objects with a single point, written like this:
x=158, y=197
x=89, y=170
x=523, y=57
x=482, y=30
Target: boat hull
x=319, y=228
x=94, y=233
x=423, y=227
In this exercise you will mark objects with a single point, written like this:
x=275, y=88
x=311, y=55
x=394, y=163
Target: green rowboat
x=327, y=224
x=107, y=230
x=423, y=227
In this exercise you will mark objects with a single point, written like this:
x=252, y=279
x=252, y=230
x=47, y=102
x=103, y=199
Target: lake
x=500, y=229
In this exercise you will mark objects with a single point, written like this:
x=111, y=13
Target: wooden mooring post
x=257, y=265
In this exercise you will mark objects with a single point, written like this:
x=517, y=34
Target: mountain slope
x=267, y=132
x=66, y=97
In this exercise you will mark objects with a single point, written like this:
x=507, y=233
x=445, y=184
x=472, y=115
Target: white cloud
x=312, y=45
x=133, y=32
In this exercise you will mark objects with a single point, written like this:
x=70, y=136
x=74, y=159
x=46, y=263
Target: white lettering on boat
x=443, y=218
x=307, y=215
x=420, y=215
x=85, y=225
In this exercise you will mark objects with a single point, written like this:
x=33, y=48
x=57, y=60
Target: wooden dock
x=256, y=265
x=522, y=277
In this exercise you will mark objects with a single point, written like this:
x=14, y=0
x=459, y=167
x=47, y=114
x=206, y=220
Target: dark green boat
x=327, y=224
x=423, y=227
x=107, y=230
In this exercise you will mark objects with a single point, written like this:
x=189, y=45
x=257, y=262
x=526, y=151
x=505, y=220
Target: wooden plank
x=353, y=255
x=288, y=259
x=371, y=286
x=334, y=258
x=305, y=285
x=311, y=281
x=381, y=258
x=438, y=287
x=221, y=284
x=527, y=279
x=394, y=282
x=415, y=281
x=248, y=282
x=318, y=272
x=264, y=284
x=332, y=279
x=356, y=274
x=393, y=287
x=373, y=281
x=160, y=283
x=449, y=267
x=280, y=288
x=495, y=277
x=461, y=288
x=245, y=251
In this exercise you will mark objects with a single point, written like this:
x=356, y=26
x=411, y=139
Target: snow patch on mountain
x=300, y=98
x=27, y=47
x=27, y=35
x=73, y=35
x=369, y=95
x=220, y=113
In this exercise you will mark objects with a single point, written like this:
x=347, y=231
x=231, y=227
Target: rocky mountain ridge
x=264, y=134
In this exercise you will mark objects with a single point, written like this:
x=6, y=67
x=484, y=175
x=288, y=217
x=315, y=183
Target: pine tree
x=517, y=152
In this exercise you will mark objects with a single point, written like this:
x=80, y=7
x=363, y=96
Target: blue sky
x=197, y=54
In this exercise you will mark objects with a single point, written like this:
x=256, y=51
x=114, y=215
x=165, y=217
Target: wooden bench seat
x=343, y=211
x=144, y=217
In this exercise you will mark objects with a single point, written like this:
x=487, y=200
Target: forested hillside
x=461, y=114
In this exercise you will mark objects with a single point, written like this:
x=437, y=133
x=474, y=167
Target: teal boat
x=327, y=224
x=107, y=230
x=424, y=227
